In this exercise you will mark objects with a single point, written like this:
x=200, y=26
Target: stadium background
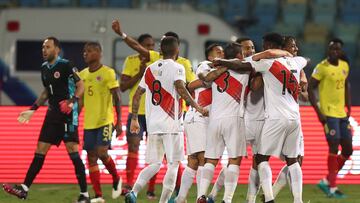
x=313, y=22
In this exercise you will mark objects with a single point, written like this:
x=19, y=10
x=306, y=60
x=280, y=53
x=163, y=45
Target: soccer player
x=62, y=88
x=195, y=126
x=280, y=133
x=330, y=78
x=101, y=88
x=225, y=124
x=283, y=177
x=164, y=84
x=134, y=68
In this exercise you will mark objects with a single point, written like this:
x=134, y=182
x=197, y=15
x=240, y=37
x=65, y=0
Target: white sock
x=187, y=179
x=281, y=180
x=169, y=182
x=198, y=179
x=206, y=178
x=230, y=183
x=219, y=183
x=296, y=181
x=25, y=187
x=144, y=176
x=86, y=194
x=253, y=186
x=266, y=180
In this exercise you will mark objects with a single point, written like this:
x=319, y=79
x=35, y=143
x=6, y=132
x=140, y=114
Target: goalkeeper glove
x=66, y=106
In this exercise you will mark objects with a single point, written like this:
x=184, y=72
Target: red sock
x=151, y=186
x=333, y=169
x=110, y=166
x=341, y=161
x=95, y=179
x=178, y=178
x=131, y=163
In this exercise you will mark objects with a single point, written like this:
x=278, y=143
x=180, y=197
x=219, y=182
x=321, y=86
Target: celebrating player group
x=237, y=98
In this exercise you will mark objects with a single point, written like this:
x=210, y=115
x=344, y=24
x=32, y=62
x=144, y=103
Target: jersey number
x=339, y=84
x=224, y=84
x=288, y=81
x=90, y=91
x=156, y=95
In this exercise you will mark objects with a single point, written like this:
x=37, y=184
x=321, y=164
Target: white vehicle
x=24, y=29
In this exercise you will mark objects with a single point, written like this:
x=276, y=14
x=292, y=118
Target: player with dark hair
x=133, y=70
x=101, y=88
x=195, y=126
x=164, y=84
x=63, y=88
x=280, y=133
x=330, y=79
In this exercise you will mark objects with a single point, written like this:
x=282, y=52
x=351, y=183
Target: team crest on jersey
x=99, y=78
x=57, y=74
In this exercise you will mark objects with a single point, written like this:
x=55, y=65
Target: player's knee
x=291, y=161
x=92, y=159
x=261, y=158
x=193, y=162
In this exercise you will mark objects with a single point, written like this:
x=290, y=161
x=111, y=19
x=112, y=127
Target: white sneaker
x=116, y=193
x=97, y=200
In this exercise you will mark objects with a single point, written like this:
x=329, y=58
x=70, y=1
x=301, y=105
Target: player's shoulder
x=133, y=57
x=85, y=70
x=183, y=61
x=343, y=63
x=63, y=61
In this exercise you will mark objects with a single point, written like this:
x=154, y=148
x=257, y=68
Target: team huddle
x=237, y=98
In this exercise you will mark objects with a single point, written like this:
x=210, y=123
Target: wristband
x=74, y=99
x=123, y=35
x=34, y=107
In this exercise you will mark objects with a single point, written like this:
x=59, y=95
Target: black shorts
x=54, y=133
x=98, y=137
x=142, y=123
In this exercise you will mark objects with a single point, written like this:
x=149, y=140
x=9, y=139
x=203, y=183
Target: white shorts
x=280, y=137
x=229, y=132
x=195, y=133
x=158, y=145
x=302, y=148
x=253, y=132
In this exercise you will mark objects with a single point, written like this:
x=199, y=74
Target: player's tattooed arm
x=270, y=53
x=136, y=102
x=212, y=75
x=80, y=87
x=117, y=102
x=348, y=97
x=132, y=43
x=312, y=90
x=233, y=64
x=182, y=91
x=195, y=85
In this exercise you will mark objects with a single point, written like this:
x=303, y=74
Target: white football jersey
x=202, y=97
x=281, y=80
x=228, y=93
x=163, y=104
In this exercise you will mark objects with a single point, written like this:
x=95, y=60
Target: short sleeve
x=261, y=66
x=112, y=80
x=317, y=73
x=128, y=67
x=180, y=73
x=153, y=56
x=189, y=74
x=301, y=61
x=142, y=83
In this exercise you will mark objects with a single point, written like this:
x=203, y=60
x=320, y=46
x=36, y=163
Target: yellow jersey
x=98, y=100
x=332, y=87
x=132, y=67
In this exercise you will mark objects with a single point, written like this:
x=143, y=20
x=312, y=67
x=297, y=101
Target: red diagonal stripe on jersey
x=167, y=102
x=276, y=69
x=205, y=97
x=234, y=88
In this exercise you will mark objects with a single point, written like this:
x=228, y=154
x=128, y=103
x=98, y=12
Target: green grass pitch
x=67, y=193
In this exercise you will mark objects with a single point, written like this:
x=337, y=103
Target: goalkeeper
x=63, y=87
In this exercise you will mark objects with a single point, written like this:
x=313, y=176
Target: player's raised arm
x=212, y=75
x=132, y=43
x=134, y=126
x=234, y=64
x=271, y=53
x=26, y=115
x=182, y=91
x=192, y=86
